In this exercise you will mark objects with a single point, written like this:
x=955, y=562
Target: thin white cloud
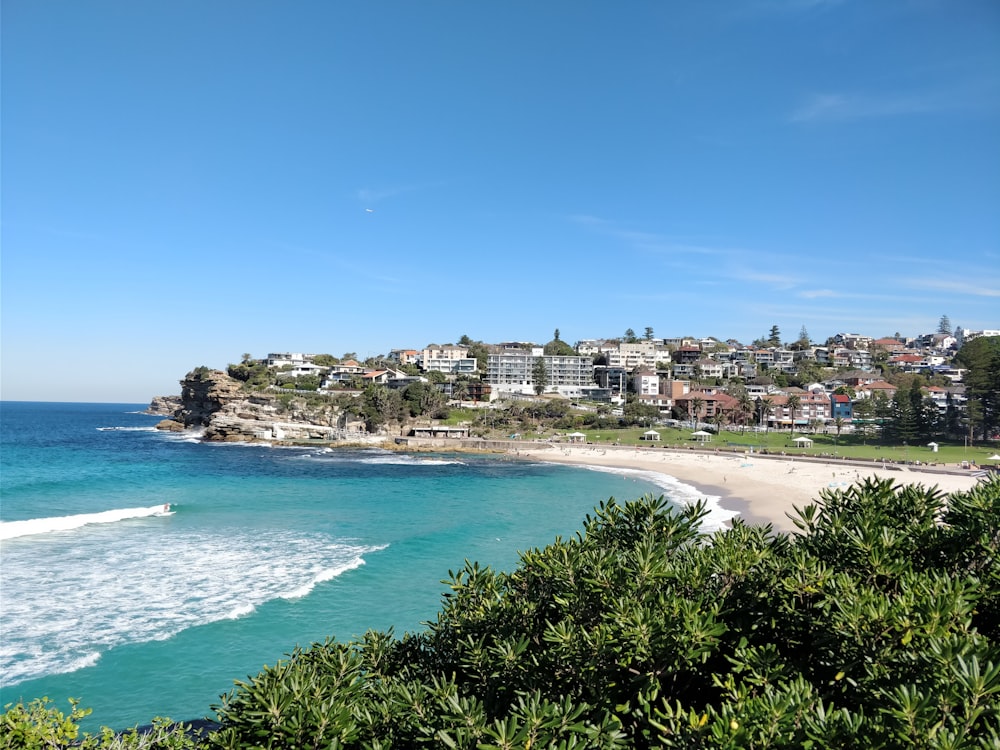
x=846, y=107
x=648, y=241
x=956, y=286
x=778, y=282
x=817, y=293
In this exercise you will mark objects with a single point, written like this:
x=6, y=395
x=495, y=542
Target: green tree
x=864, y=418
x=803, y=340
x=882, y=414
x=649, y=333
x=981, y=357
x=381, y=406
x=254, y=373
x=630, y=336
x=944, y=325
x=764, y=407
x=558, y=348
x=481, y=353
x=695, y=407
x=794, y=403
x=539, y=375
x=423, y=398
x=774, y=337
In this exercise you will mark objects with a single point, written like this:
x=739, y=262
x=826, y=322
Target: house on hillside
x=841, y=407
x=404, y=357
x=890, y=344
x=343, y=372
x=868, y=390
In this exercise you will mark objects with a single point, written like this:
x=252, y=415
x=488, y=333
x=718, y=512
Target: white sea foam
x=240, y=610
x=679, y=492
x=126, y=429
x=66, y=604
x=395, y=458
x=13, y=529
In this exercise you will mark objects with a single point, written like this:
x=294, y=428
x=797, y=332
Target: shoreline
x=759, y=488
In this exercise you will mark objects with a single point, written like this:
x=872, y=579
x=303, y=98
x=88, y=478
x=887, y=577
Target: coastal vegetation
x=875, y=625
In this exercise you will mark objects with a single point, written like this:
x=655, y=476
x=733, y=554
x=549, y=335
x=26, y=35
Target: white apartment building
x=448, y=358
x=511, y=371
x=287, y=358
x=646, y=383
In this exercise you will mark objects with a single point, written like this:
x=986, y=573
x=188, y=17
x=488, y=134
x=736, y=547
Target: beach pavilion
x=576, y=437
x=702, y=436
x=802, y=442
x=650, y=435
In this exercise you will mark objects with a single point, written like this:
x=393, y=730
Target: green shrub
x=874, y=627
x=42, y=726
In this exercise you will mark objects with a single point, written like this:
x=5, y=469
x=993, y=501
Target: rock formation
x=164, y=406
x=216, y=405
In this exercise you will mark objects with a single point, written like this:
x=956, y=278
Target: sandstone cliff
x=164, y=406
x=215, y=406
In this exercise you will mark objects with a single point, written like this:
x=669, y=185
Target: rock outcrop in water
x=217, y=407
x=164, y=406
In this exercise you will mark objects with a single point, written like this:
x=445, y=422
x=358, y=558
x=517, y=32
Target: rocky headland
x=218, y=408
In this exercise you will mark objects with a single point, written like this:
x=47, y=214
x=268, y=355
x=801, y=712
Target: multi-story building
x=449, y=359
x=632, y=355
x=512, y=371
x=687, y=355
x=404, y=356
x=813, y=407
x=963, y=336
x=646, y=383
x=286, y=358
x=852, y=340
x=613, y=379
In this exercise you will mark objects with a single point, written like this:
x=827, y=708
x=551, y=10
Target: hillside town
x=849, y=383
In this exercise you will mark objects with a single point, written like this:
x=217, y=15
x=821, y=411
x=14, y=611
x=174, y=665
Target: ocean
x=143, y=572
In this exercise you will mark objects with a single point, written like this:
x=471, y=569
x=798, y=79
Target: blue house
x=841, y=406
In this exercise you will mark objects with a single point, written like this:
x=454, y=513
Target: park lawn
x=825, y=446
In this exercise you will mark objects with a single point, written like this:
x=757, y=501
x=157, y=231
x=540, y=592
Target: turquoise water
x=142, y=613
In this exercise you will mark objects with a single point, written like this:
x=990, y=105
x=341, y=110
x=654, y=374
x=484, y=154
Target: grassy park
x=775, y=441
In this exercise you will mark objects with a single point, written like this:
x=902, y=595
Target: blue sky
x=183, y=182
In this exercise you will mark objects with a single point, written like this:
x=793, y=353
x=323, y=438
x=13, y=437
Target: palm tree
x=765, y=405
x=745, y=404
x=695, y=406
x=839, y=424
x=718, y=419
x=793, y=403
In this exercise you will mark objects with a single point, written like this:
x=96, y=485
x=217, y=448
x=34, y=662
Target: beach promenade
x=763, y=488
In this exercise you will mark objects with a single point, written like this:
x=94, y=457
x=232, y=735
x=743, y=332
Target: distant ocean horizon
x=143, y=572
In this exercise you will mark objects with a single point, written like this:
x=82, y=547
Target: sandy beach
x=762, y=488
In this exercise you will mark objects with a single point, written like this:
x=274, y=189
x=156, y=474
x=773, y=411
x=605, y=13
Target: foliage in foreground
x=876, y=626
x=42, y=726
